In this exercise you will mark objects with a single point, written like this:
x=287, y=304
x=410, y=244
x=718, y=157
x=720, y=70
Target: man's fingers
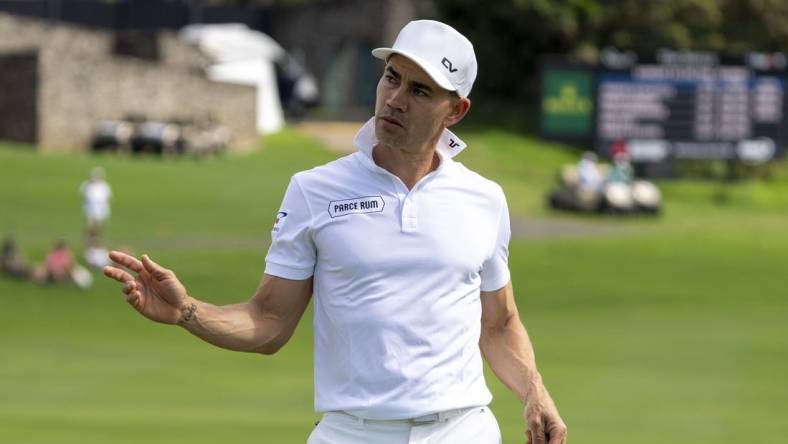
x=153, y=268
x=134, y=299
x=557, y=434
x=129, y=286
x=119, y=275
x=557, y=438
x=130, y=262
x=537, y=432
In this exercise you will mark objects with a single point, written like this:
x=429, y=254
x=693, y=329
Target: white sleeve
x=495, y=270
x=292, y=253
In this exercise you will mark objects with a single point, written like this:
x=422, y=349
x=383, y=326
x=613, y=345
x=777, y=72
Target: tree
x=511, y=35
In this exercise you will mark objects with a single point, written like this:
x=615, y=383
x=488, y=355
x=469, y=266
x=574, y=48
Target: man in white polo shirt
x=404, y=252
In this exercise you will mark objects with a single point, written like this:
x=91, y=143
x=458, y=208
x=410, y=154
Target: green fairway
x=663, y=330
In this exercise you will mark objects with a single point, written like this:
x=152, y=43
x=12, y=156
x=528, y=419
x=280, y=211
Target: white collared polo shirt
x=397, y=279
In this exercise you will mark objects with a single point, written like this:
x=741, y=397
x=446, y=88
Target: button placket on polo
x=410, y=213
x=410, y=221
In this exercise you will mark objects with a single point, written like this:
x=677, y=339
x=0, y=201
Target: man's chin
x=390, y=141
x=388, y=136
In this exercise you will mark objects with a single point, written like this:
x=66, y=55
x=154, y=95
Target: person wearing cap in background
x=404, y=253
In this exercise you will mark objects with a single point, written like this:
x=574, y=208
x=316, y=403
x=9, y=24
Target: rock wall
x=78, y=91
x=19, y=33
x=79, y=80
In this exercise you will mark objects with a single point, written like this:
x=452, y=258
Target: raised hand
x=545, y=425
x=155, y=292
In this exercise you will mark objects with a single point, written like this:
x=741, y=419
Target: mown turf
x=672, y=332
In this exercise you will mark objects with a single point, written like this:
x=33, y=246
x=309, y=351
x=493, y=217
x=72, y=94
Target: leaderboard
x=690, y=112
x=680, y=106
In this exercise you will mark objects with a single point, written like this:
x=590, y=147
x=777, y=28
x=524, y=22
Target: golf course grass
x=673, y=329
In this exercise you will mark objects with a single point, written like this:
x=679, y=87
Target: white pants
x=475, y=425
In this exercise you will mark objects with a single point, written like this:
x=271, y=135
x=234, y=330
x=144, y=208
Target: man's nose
x=397, y=99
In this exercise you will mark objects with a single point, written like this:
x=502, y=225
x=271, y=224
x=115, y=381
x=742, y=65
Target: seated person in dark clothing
x=12, y=262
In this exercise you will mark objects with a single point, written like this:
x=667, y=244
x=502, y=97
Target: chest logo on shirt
x=358, y=205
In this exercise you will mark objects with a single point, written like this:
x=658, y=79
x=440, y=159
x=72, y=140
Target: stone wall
x=19, y=33
x=80, y=81
x=78, y=91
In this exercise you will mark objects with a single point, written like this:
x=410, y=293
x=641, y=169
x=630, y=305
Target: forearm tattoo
x=189, y=314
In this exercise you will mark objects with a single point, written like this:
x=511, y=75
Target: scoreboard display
x=680, y=106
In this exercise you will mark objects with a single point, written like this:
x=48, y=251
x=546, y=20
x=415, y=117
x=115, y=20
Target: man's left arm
x=507, y=348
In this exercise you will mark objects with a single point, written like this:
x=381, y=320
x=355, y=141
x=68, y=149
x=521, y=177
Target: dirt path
x=527, y=228
x=337, y=136
x=522, y=228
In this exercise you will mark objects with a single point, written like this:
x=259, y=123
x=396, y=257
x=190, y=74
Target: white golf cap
x=442, y=52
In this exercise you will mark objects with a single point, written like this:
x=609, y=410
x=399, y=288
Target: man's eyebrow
x=394, y=73
x=420, y=85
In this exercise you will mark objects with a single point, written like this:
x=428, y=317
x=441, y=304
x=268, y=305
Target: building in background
x=330, y=40
x=60, y=80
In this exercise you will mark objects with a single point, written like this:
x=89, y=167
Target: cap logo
x=448, y=65
x=453, y=144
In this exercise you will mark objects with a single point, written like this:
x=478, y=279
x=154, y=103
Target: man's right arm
x=263, y=324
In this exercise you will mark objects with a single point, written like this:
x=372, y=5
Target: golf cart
x=600, y=188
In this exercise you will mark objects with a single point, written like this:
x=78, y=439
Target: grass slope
x=672, y=332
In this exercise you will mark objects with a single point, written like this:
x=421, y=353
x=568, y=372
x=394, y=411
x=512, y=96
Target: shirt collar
x=449, y=145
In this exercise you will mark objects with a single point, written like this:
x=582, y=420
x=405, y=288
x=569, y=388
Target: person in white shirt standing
x=404, y=252
x=96, y=195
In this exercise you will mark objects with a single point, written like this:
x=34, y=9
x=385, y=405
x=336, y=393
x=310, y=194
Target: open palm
x=155, y=292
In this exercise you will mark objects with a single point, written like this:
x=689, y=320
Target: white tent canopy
x=243, y=56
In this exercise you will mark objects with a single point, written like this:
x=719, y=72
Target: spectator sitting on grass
x=61, y=267
x=59, y=263
x=12, y=262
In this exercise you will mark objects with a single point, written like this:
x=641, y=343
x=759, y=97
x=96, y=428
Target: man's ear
x=459, y=108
